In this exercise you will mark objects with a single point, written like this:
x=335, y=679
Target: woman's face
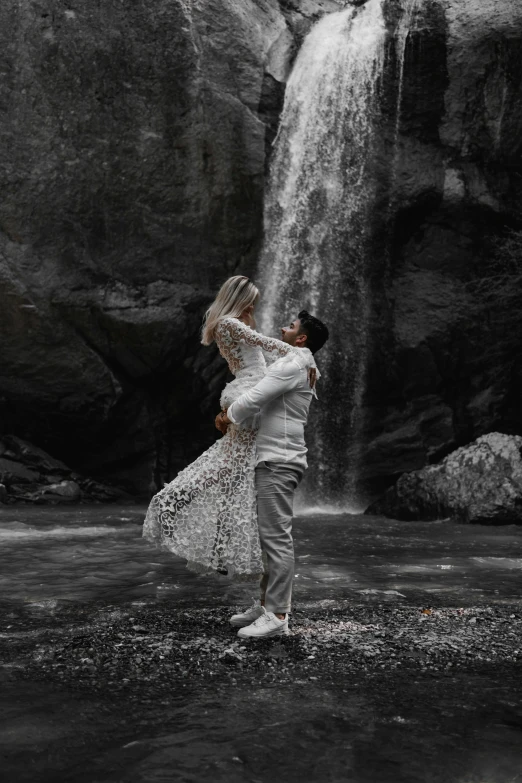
x=248, y=315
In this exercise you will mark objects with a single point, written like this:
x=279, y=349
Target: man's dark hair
x=316, y=332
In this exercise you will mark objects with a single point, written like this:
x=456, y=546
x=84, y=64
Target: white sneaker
x=240, y=620
x=267, y=624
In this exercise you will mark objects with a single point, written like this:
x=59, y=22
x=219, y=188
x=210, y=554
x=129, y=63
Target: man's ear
x=301, y=339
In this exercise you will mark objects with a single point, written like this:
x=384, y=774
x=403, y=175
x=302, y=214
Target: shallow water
x=64, y=568
x=64, y=554
x=291, y=734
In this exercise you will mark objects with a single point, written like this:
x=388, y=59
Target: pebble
x=358, y=639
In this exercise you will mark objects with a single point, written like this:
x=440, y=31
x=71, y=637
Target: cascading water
x=407, y=24
x=318, y=223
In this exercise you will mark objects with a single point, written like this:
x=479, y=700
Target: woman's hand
x=247, y=316
x=222, y=421
x=312, y=376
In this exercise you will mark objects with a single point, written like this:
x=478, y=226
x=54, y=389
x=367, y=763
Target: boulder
x=65, y=491
x=32, y=475
x=12, y=472
x=479, y=483
x=101, y=493
x=30, y=455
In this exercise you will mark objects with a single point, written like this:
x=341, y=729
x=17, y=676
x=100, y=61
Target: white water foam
x=303, y=508
x=13, y=531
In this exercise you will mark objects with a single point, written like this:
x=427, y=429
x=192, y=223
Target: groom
x=282, y=398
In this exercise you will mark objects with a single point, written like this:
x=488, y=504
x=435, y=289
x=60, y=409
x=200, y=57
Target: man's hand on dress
x=222, y=421
x=312, y=376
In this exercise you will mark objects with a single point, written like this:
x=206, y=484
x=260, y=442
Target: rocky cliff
x=132, y=162
x=134, y=146
x=438, y=377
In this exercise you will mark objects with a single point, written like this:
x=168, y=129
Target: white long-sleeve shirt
x=283, y=399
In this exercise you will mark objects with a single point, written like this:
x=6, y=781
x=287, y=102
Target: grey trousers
x=275, y=485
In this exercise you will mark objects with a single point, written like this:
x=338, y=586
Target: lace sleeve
x=236, y=330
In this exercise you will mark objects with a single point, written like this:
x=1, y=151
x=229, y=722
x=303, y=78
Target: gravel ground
x=155, y=645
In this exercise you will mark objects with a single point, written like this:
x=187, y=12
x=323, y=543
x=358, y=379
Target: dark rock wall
x=134, y=139
x=132, y=159
x=454, y=184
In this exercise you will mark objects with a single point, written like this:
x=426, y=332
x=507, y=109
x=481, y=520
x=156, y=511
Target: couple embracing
x=230, y=511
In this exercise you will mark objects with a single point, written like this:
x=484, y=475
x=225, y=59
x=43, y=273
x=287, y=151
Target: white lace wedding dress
x=207, y=514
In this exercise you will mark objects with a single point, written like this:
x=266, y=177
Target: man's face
x=290, y=334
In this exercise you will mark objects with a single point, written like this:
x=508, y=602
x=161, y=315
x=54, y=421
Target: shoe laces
x=266, y=617
x=263, y=618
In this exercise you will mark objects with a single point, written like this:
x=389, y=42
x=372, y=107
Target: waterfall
x=318, y=225
x=407, y=24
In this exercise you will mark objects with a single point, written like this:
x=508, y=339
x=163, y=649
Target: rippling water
x=51, y=555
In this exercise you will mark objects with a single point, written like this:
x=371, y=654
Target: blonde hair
x=234, y=296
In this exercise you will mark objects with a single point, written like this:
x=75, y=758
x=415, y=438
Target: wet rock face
x=479, y=483
x=135, y=156
x=131, y=169
x=432, y=382
x=135, y=140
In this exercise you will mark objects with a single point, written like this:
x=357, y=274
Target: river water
x=65, y=565
x=84, y=554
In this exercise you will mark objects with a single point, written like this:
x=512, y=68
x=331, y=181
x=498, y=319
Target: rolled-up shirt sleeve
x=281, y=378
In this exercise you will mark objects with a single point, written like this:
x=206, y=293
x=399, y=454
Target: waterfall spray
x=406, y=25
x=318, y=220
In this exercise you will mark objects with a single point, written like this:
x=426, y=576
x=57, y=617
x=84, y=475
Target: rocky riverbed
x=371, y=692
x=156, y=645
x=403, y=662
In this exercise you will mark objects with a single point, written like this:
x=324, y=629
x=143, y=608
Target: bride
x=207, y=514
